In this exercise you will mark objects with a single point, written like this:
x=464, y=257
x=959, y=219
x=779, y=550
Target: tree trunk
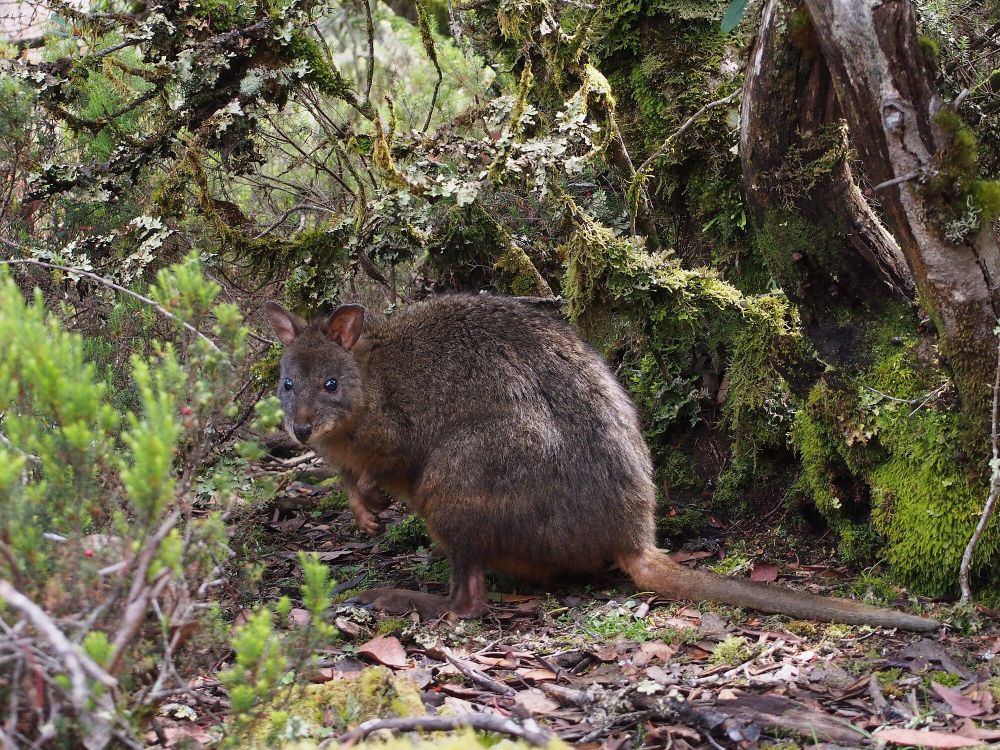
x=886, y=91
x=793, y=152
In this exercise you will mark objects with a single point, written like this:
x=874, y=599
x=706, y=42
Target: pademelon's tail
x=653, y=570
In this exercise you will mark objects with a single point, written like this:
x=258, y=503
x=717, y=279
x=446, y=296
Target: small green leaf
x=734, y=14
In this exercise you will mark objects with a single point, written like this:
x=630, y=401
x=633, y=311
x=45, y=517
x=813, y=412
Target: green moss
x=323, y=74
x=930, y=49
x=872, y=588
x=943, y=678
x=986, y=194
x=522, y=278
x=265, y=370
x=733, y=650
x=804, y=628
x=863, y=453
x=406, y=535
x=302, y=711
x=960, y=204
x=796, y=249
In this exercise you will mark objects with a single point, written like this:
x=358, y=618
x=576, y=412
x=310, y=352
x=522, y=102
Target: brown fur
x=512, y=439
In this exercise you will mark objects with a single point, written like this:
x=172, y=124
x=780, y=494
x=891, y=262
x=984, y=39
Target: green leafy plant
x=107, y=554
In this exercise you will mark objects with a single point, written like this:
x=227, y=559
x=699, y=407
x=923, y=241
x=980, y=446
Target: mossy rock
x=373, y=693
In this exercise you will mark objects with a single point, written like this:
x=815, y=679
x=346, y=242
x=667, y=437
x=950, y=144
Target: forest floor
x=599, y=665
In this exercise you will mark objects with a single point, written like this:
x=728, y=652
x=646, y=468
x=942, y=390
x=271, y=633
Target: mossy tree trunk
x=794, y=151
x=922, y=159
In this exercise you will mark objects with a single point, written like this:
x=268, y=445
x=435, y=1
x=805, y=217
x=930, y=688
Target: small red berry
x=186, y=411
x=88, y=552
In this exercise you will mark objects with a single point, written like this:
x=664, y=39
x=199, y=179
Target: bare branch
x=77, y=663
x=640, y=173
x=371, y=50
x=111, y=285
x=483, y=722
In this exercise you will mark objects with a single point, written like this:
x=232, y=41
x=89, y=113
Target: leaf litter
x=600, y=666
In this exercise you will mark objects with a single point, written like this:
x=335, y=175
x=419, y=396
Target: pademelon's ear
x=286, y=326
x=345, y=325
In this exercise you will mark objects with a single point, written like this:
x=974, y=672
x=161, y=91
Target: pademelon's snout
x=302, y=431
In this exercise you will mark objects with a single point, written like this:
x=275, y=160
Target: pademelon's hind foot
x=429, y=606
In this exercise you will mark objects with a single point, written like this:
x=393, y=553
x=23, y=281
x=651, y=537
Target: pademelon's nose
x=302, y=431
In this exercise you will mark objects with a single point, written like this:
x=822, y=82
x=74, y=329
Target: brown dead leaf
x=651, y=651
x=969, y=729
x=299, y=617
x=659, y=675
x=492, y=661
x=959, y=704
x=899, y=736
x=535, y=701
x=685, y=556
x=538, y=675
x=458, y=707
x=386, y=650
x=764, y=572
x=494, y=596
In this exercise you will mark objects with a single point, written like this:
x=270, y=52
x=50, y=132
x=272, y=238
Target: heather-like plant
x=109, y=556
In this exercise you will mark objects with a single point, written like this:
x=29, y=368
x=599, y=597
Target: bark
x=887, y=94
x=791, y=125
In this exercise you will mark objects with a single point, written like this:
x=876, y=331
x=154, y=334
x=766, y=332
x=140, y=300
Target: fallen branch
x=478, y=677
x=76, y=663
x=641, y=171
x=482, y=722
x=984, y=518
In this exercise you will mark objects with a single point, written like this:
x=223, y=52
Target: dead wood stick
x=478, y=677
x=74, y=660
x=483, y=722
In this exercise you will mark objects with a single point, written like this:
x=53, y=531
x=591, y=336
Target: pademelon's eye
x=287, y=384
x=331, y=385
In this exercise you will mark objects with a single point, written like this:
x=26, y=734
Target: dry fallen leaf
x=684, y=556
x=969, y=729
x=764, y=572
x=386, y=650
x=898, y=736
x=535, y=701
x=538, y=675
x=651, y=651
x=299, y=617
x=959, y=704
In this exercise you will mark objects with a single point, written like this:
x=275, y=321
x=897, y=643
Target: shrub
x=108, y=553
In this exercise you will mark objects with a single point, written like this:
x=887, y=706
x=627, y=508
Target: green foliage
x=262, y=675
x=84, y=486
x=733, y=650
x=924, y=500
x=406, y=535
x=962, y=204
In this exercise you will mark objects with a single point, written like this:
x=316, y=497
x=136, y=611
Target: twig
x=896, y=181
x=680, y=131
x=300, y=207
x=631, y=719
x=141, y=591
x=970, y=548
x=370, y=73
x=118, y=288
x=478, y=677
x=483, y=722
x=76, y=663
x=428, y=39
